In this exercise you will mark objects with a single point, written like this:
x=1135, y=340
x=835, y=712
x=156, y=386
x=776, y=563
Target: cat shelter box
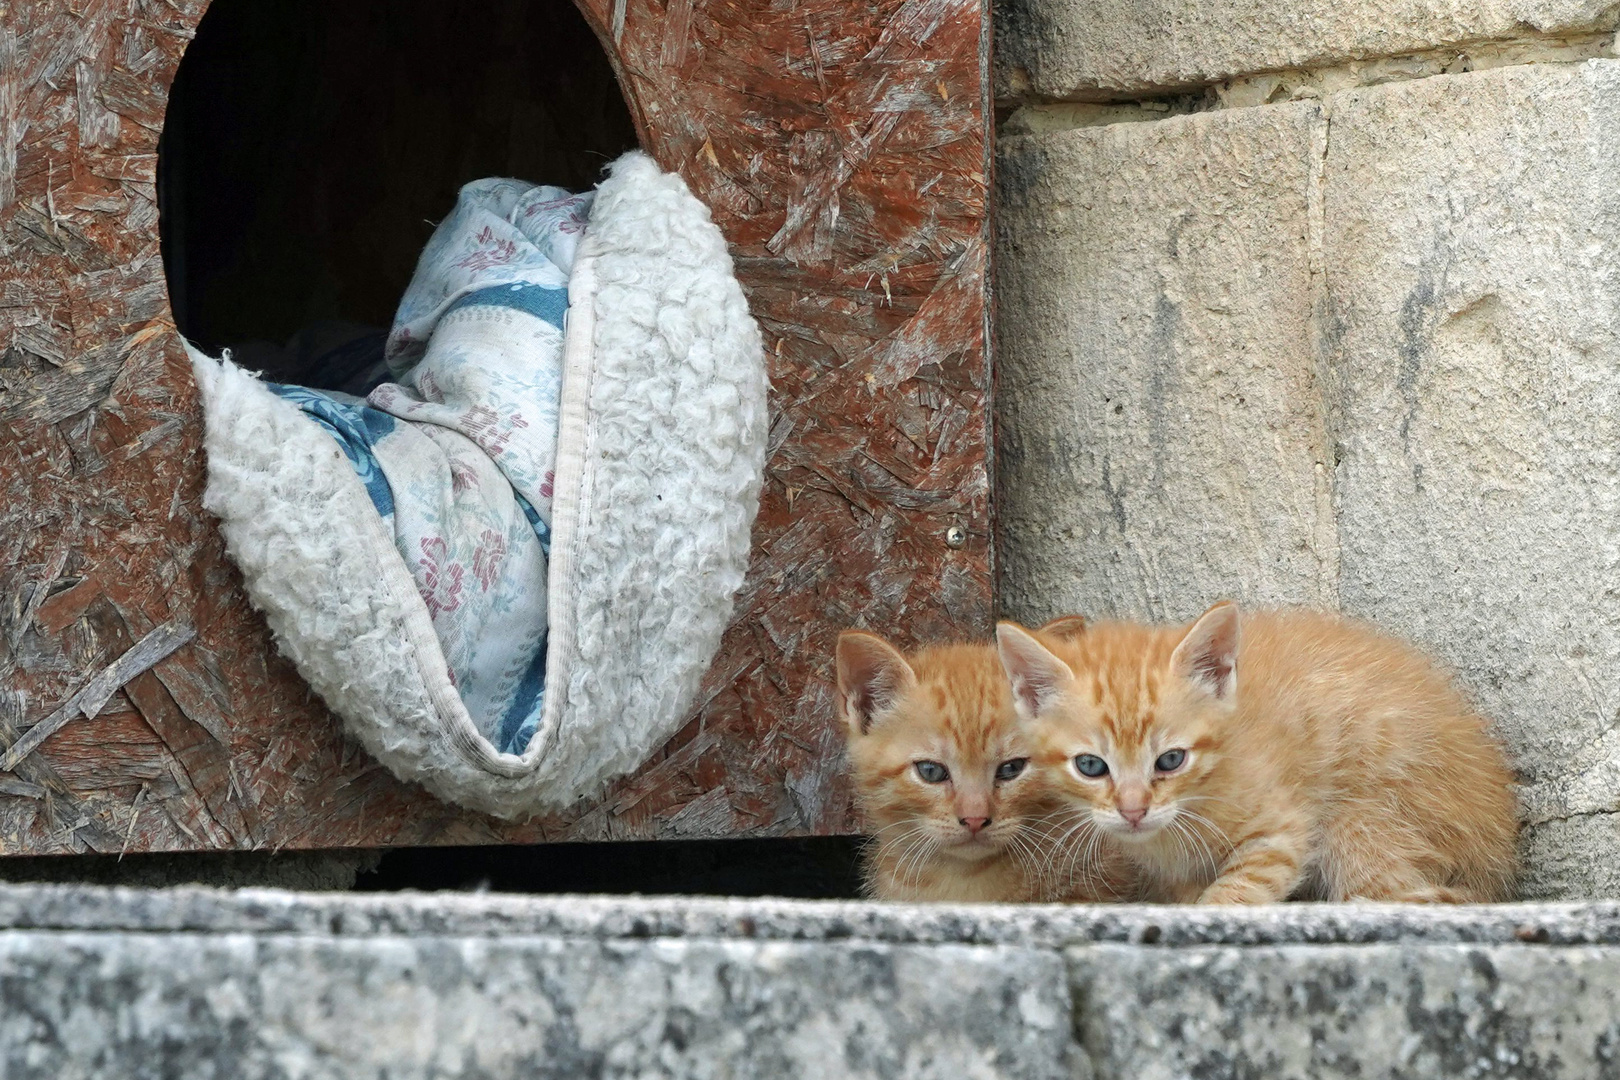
x=446, y=422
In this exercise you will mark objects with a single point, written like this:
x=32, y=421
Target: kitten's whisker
x=1201, y=847
x=1062, y=842
x=1209, y=798
x=925, y=847
x=912, y=829
x=1189, y=848
x=1052, y=861
x=912, y=844
x=1197, y=844
x=1226, y=842
x=916, y=855
x=908, y=844
x=1183, y=854
x=1071, y=822
x=1025, y=855
x=1202, y=822
x=1201, y=819
x=1079, y=856
x=897, y=825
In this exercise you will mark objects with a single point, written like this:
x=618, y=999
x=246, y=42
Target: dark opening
x=814, y=868
x=823, y=867
x=810, y=868
x=311, y=145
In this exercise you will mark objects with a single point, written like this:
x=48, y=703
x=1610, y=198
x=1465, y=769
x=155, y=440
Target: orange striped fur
x=1322, y=760
x=949, y=706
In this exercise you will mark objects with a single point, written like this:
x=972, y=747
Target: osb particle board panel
x=843, y=151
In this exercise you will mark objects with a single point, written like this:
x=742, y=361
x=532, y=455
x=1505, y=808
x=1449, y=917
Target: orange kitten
x=939, y=760
x=1280, y=754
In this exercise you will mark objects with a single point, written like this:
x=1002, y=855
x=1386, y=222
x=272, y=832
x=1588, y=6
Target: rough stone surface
x=1087, y=48
x=1161, y=430
x=269, y=912
x=1363, y=1011
x=243, y=1007
x=205, y=983
x=1569, y=857
x=1405, y=295
x=1473, y=256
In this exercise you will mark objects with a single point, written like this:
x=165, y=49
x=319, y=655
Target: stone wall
x=1316, y=303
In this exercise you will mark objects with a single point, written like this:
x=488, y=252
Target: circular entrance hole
x=310, y=147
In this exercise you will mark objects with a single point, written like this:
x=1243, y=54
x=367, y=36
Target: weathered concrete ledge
x=202, y=983
x=271, y=912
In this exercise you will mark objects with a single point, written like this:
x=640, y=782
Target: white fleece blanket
x=655, y=457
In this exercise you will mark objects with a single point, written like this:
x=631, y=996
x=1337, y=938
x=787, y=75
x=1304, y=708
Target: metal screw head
x=955, y=536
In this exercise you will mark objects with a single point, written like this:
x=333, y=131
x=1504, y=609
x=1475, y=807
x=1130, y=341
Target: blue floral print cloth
x=457, y=450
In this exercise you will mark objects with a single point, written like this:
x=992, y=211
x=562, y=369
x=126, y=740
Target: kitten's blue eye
x=1091, y=765
x=1011, y=768
x=932, y=772
x=1170, y=760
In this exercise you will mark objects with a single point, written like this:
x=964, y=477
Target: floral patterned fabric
x=457, y=452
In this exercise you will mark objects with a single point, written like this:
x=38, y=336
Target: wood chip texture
x=843, y=151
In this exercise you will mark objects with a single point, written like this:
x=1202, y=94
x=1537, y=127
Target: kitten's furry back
x=1320, y=759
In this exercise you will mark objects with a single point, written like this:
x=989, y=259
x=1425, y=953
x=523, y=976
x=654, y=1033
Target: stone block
x=243, y=1006
x=1472, y=247
x=1347, y=1011
x=1161, y=436
x=1096, y=49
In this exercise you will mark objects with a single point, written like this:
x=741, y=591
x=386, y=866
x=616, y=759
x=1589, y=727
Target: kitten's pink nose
x=1133, y=801
x=974, y=824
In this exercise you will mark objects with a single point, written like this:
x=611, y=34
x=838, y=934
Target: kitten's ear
x=1035, y=674
x=1067, y=627
x=1207, y=656
x=871, y=675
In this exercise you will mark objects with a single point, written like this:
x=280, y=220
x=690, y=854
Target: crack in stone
x=1323, y=336
x=1575, y=814
x=1032, y=114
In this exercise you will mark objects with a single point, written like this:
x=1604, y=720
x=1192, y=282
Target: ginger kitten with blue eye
x=1254, y=757
x=940, y=763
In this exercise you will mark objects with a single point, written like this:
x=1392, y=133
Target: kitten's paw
x=1409, y=893
x=1189, y=893
x=1238, y=893
x=1430, y=894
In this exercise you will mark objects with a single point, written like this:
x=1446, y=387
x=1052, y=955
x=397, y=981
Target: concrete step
x=260, y=983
